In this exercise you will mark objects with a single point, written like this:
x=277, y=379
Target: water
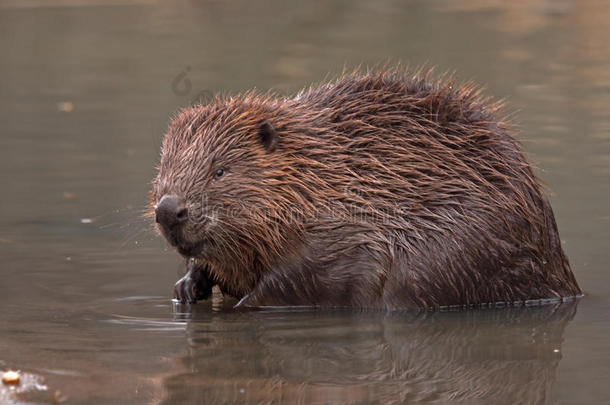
x=86, y=89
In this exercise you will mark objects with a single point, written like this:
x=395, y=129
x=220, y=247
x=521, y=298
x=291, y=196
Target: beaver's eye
x=219, y=173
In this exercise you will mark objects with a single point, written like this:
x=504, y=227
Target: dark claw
x=196, y=285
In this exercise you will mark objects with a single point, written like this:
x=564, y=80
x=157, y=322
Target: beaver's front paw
x=194, y=286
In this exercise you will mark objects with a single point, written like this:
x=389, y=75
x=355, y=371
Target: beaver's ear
x=267, y=136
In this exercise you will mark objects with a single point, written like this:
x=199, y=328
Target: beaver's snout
x=171, y=212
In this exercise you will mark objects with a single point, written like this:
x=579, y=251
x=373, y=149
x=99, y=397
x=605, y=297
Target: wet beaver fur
x=389, y=190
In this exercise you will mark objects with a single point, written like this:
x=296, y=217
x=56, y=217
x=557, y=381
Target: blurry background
x=86, y=89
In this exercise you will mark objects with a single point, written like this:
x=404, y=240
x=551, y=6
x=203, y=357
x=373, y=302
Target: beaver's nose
x=170, y=211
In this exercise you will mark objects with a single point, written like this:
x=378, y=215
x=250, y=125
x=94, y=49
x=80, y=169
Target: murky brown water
x=86, y=88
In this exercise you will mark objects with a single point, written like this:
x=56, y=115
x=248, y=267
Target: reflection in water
x=495, y=356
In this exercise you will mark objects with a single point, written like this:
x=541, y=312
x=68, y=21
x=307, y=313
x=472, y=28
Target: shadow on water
x=504, y=356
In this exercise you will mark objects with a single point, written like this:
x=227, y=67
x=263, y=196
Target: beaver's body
x=376, y=191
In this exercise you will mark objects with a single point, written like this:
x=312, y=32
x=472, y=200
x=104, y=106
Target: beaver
x=388, y=189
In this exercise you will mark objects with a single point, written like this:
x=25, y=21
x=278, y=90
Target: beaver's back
x=432, y=167
x=427, y=142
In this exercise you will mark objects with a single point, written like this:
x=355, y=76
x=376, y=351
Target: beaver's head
x=218, y=190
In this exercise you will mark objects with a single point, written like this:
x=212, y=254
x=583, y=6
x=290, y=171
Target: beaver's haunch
x=384, y=190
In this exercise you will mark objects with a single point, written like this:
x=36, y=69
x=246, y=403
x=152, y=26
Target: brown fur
x=383, y=190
